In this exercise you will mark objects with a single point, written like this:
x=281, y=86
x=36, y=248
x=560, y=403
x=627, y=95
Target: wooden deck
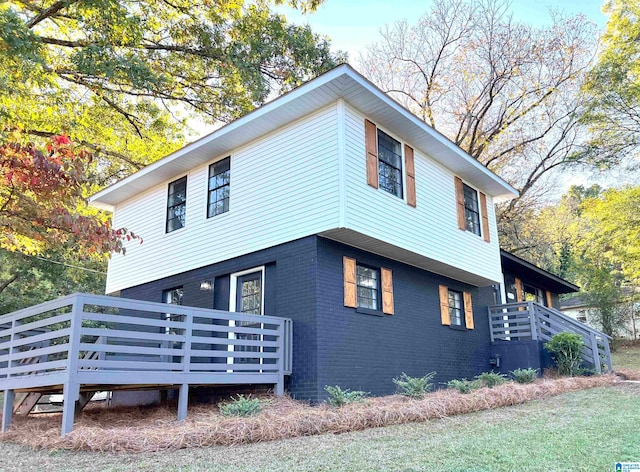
x=85, y=343
x=530, y=320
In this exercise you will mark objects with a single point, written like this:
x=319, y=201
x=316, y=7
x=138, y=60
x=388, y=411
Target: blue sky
x=352, y=24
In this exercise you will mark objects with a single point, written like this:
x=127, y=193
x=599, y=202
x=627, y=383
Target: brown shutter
x=444, y=305
x=371, y=140
x=409, y=165
x=519, y=294
x=549, y=299
x=349, y=267
x=468, y=310
x=460, y=204
x=387, y=291
x=485, y=217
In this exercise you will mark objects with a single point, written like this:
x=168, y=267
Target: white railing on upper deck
x=84, y=335
x=530, y=320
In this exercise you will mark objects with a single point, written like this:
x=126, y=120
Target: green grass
x=628, y=357
x=581, y=431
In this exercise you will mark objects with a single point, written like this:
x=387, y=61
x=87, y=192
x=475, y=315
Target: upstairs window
x=471, y=209
x=219, y=184
x=389, y=164
x=367, y=281
x=176, y=204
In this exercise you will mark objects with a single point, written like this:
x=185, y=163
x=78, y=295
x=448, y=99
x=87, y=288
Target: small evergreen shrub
x=241, y=406
x=565, y=348
x=414, y=387
x=524, y=376
x=491, y=379
x=339, y=397
x=463, y=385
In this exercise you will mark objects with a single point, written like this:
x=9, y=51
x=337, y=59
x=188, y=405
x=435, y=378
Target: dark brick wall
x=364, y=352
x=290, y=292
x=335, y=345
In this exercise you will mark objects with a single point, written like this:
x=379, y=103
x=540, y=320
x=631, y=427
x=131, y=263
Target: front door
x=249, y=299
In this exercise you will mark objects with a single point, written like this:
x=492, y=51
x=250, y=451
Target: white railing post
x=534, y=321
x=595, y=352
x=11, y=338
x=281, y=354
x=490, y=324
x=71, y=387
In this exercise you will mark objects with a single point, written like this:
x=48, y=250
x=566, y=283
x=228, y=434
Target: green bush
x=463, y=385
x=491, y=379
x=565, y=348
x=524, y=376
x=241, y=406
x=414, y=387
x=339, y=397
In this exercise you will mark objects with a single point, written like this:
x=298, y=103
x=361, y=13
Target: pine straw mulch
x=155, y=428
x=628, y=374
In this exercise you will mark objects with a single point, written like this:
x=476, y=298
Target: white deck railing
x=99, y=340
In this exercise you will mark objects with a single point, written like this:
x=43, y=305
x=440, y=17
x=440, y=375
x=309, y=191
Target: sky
x=352, y=24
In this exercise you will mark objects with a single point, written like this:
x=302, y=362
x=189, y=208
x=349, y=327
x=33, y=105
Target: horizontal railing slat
x=36, y=339
x=129, y=365
x=124, y=349
x=119, y=333
x=39, y=367
x=123, y=319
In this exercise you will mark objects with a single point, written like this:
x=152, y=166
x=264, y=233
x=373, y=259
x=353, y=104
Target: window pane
x=389, y=164
x=219, y=184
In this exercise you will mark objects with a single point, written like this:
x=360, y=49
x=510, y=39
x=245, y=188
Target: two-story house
x=333, y=206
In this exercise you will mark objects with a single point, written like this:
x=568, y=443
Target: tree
x=42, y=201
x=507, y=93
x=112, y=75
x=613, y=85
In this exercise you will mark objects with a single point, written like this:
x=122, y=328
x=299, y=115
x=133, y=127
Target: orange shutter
x=371, y=140
x=387, y=291
x=549, y=299
x=349, y=267
x=462, y=224
x=411, y=175
x=485, y=217
x=444, y=305
x=519, y=294
x=468, y=310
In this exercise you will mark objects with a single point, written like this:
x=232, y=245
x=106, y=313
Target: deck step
x=26, y=402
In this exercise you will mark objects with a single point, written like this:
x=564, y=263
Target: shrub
x=491, y=379
x=524, y=376
x=565, y=348
x=414, y=387
x=463, y=385
x=241, y=406
x=339, y=397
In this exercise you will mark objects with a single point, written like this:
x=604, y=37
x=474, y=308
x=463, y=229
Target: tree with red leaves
x=43, y=201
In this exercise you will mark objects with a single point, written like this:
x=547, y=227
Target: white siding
x=431, y=228
x=284, y=186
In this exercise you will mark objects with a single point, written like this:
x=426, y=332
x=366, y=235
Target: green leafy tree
x=613, y=86
x=120, y=77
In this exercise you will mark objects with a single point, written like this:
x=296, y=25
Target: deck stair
x=533, y=321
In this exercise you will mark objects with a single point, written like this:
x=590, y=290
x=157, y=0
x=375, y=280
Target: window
x=172, y=296
x=176, y=204
x=455, y=308
x=389, y=164
x=367, y=280
x=218, y=199
x=471, y=209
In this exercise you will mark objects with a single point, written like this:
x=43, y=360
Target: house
x=627, y=310
x=337, y=208
x=330, y=237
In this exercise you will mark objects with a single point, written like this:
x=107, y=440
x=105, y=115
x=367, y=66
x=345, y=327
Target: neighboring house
x=333, y=206
x=628, y=309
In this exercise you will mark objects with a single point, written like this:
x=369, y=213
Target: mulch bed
x=156, y=429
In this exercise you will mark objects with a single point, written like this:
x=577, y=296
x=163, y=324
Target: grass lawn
x=628, y=357
x=587, y=430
